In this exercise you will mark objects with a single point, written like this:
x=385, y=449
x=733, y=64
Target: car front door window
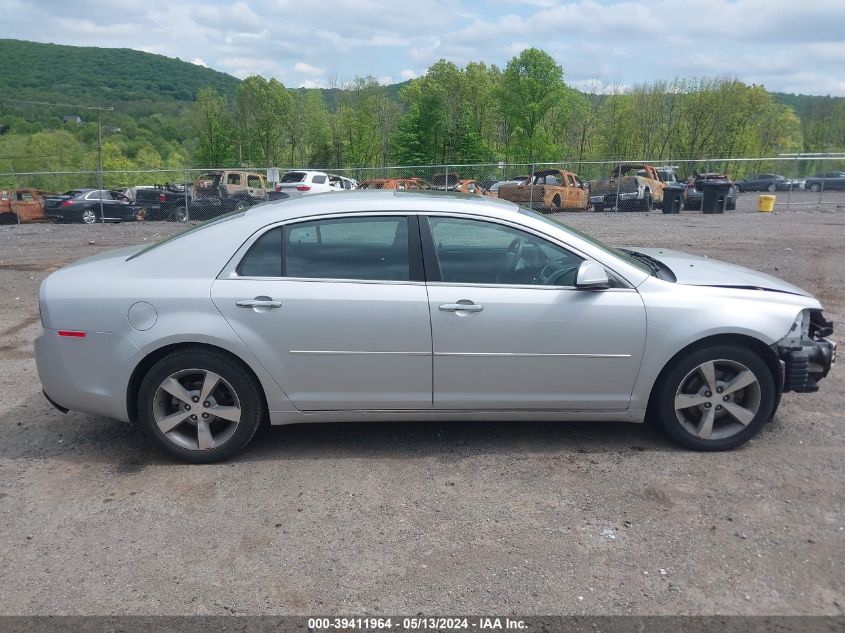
x=480, y=252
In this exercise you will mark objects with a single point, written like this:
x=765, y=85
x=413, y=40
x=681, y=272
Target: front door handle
x=258, y=302
x=461, y=307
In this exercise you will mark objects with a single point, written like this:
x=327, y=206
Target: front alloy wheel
x=89, y=216
x=716, y=398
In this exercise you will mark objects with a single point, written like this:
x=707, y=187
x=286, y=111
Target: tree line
x=524, y=112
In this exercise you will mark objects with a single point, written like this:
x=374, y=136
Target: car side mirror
x=591, y=276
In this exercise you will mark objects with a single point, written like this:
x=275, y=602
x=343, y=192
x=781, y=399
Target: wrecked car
x=435, y=307
x=400, y=184
x=22, y=205
x=630, y=187
x=550, y=190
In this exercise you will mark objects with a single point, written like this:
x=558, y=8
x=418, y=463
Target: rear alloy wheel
x=89, y=216
x=716, y=398
x=815, y=187
x=199, y=406
x=771, y=187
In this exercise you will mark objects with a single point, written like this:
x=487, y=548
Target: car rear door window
x=254, y=181
x=479, y=252
x=366, y=248
x=319, y=180
x=264, y=257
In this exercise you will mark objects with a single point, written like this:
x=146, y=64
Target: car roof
x=380, y=200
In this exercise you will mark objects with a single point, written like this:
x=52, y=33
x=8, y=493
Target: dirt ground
x=428, y=518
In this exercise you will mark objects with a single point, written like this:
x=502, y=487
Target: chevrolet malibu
x=418, y=306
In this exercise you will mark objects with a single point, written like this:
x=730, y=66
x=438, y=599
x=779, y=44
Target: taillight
x=66, y=203
x=278, y=187
x=72, y=333
x=303, y=187
x=162, y=197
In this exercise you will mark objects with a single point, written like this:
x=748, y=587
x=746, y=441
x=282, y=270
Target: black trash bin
x=714, y=196
x=673, y=198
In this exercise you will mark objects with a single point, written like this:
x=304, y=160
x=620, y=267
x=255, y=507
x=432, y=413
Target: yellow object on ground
x=766, y=204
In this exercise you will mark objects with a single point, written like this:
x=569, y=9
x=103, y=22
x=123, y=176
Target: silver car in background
x=379, y=305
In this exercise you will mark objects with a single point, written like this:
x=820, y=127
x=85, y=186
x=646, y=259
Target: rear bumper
x=87, y=374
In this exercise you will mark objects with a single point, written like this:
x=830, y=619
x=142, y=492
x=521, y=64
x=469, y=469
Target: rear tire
x=8, y=218
x=89, y=216
x=598, y=207
x=815, y=187
x=723, y=419
x=647, y=203
x=181, y=395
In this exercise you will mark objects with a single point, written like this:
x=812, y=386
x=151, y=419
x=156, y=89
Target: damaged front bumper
x=808, y=357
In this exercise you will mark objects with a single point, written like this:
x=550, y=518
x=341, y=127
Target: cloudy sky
x=783, y=44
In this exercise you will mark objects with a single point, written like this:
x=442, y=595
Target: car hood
x=701, y=271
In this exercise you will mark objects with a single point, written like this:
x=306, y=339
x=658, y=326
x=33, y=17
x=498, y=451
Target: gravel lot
x=432, y=518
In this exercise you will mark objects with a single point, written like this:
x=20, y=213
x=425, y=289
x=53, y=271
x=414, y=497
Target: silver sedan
x=418, y=306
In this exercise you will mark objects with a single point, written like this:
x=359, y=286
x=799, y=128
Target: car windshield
x=202, y=225
x=593, y=241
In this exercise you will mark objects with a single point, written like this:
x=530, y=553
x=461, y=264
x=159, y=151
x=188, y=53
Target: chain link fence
x=797, y=182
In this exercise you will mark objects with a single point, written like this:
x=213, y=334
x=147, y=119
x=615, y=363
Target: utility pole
x=100, y=165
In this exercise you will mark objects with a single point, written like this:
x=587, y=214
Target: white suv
x=301, y=182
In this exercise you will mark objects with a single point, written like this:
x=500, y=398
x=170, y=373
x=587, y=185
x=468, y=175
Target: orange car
x=471, y=186
x=22, y=205
x=413, y=184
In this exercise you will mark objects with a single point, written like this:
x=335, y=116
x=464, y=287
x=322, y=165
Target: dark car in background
x=831, y=180
x=90, y=206
x=163, y=202
x=769, y=182
x=694, y=194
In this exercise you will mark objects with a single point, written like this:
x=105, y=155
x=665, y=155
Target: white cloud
x=313, y=83
x=199, y=62
x=775, y=42
x=302, y=67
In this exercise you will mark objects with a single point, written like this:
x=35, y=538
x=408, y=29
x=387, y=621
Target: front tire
x=771, y=188
x=816, y=187
x=199, y=406
x=715, y=398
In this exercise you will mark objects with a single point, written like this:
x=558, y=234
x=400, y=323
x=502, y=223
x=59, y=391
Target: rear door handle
x=461, y=307
x=258, y=303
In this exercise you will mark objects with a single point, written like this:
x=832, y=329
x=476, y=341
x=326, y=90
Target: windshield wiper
x=645, y=259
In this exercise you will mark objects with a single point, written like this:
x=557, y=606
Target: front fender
x=679, y=315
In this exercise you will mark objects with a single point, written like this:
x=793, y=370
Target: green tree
x=532, y=86
x=262, y=117
x=212, y=129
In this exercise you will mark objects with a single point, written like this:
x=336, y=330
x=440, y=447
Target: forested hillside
x=170, y=113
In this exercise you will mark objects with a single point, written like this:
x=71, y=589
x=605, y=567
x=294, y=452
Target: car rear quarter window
x=319, y=179
x=374, y=249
